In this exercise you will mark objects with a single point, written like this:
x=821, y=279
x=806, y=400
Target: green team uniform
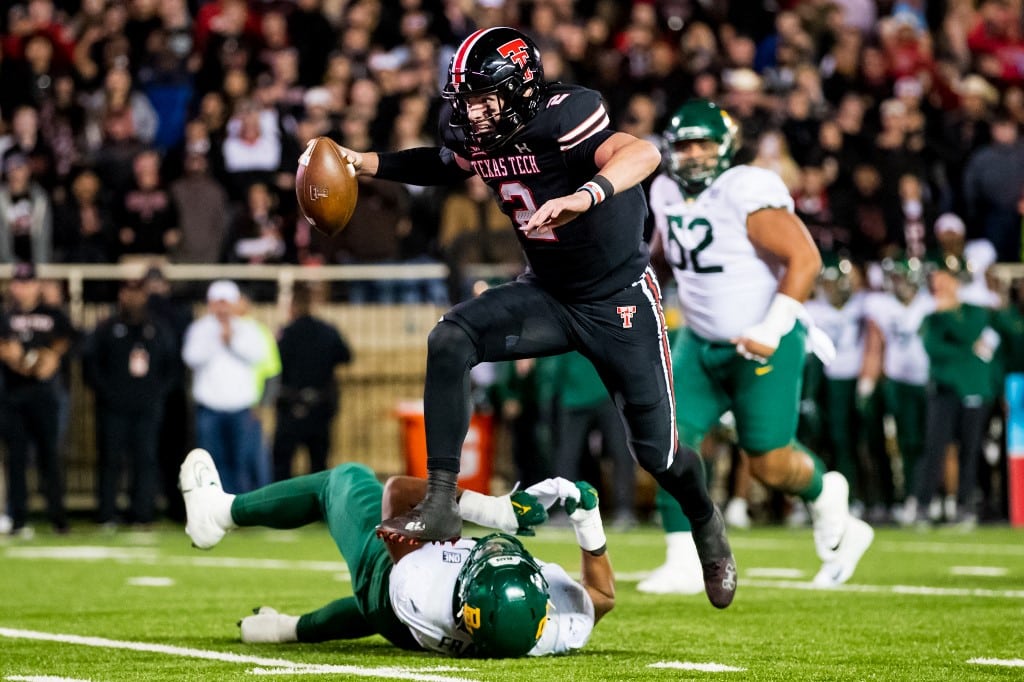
x=725, y=287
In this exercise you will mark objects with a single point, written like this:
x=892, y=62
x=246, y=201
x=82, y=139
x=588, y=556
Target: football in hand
x=326, y=186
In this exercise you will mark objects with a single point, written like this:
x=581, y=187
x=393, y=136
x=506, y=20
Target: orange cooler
x=477, y=464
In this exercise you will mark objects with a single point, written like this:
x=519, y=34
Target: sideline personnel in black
x=571, y=187
x=128, y=361
x=37, y=336
x=310, y=350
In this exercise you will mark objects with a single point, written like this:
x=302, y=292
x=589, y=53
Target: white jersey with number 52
x=725, y=285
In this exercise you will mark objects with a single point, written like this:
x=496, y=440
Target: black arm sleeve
x=421, y=166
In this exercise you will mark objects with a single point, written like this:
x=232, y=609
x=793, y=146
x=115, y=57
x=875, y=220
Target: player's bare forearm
x=626, y=160
x=781, y=233
x=598, y=580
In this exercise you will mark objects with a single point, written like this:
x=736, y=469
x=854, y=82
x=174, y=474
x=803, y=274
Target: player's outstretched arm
x=596, y=573
x=622, y=161
x=516, y=512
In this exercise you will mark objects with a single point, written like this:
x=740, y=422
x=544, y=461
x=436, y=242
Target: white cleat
x=681, y=573
x=852, y=545
x=830, y=514
x=672, y=579
x=267, y=626
x=200, y=485
x=736, y=515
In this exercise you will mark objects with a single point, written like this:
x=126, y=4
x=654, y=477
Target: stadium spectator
x=252, y=148
x=27, y=141
x=992, y=187
x=257, y=234
x=38, y=336
x=311, y=351
x=202, y=206
x=223, y=352
x=129, y=361
x=147, y=218
x=84, y=226
x=26, y=215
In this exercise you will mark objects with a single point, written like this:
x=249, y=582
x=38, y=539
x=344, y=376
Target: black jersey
x=603, y=249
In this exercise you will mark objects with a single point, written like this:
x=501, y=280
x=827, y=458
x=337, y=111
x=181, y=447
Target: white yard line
x=396, y=673
x=1004, y=662
x=700, y=667
x=984, y=571
x=42, y=678
x=919, y=590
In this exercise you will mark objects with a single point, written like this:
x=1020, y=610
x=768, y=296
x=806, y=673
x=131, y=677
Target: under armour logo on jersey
x=626, y=312
x=523, y=148
x=517, y=51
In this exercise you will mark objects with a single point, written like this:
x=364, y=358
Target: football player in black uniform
x=571, y=188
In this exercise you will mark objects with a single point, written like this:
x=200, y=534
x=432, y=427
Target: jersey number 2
x=675, y=227
x=520, y=194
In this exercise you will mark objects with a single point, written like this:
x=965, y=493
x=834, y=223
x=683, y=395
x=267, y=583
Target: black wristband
x=605, y=184
x=599, y=551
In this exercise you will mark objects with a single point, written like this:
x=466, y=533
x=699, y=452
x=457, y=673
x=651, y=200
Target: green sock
x=290, y=503
x=341, y=619
x=673, y=520
x=813, y=489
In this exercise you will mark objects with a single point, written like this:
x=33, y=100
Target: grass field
x=940, y=605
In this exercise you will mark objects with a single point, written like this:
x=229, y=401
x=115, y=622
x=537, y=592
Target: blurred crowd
x=170, y=129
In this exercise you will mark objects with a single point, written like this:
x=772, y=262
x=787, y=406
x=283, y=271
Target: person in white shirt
x=744, y=263
x=486, y=597
x=224, y=351
x=894, y=354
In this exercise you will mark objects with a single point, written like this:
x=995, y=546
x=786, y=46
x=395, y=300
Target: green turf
x=882, y=626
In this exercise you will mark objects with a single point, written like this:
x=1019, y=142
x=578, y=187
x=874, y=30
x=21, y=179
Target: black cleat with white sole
x=435, y=519
x=717, y=561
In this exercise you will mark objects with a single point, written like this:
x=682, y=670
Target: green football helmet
x=700, y=119
x=836, y=279
x=501, y=597
x=903, y=277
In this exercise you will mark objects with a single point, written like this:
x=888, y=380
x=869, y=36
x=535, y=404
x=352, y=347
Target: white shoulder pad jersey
x=725, y=286
x=423, y=584
x=845, y=326
x=905, y=358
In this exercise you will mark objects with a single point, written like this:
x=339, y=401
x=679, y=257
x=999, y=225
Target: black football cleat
x=435, y=519
x=716, y=560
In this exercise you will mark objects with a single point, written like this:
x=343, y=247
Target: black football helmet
x=498, y=60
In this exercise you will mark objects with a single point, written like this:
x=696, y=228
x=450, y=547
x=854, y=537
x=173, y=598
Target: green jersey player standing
x=744, y=263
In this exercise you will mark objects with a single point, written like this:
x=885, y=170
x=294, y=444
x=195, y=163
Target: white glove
x=820, y=344
x=778, y=321
x=586, y=519
x=554, y=490
x=267, y=626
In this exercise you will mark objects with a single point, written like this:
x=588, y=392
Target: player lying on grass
x=475, y=597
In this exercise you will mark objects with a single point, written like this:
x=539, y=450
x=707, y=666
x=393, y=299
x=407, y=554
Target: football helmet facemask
x=497, y=60
x=501, y=597
x=700, y=119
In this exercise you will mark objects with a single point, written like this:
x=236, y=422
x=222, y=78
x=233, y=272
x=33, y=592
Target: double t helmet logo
x=519, y=53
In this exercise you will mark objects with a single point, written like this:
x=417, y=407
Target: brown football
x=326, y=186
